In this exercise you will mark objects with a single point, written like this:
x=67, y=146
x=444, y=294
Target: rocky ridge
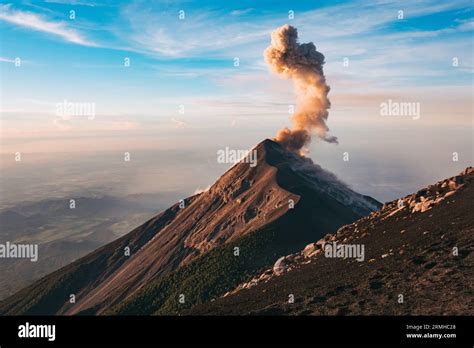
x=419, y=202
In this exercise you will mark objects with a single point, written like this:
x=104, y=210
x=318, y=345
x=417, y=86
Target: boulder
x=253, y=282
x=450, y=193
x=417, y=207
x=280, y=266
x=426, y=205
x=314, y=253
x=320, y=244
x=452, y=184
x=309, y=249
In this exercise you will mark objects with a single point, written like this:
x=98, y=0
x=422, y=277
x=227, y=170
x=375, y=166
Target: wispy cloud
x=75, y=3
x=7, y=60
x=201, y=31
x=14, y=61
x=385, y=53
x=36, y=22
x=241, y=12
x=212, y=32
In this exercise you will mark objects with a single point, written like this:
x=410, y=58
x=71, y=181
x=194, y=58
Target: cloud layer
x=36, y=22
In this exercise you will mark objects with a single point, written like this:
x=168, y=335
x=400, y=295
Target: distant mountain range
x=64, y=234
x=248, y=235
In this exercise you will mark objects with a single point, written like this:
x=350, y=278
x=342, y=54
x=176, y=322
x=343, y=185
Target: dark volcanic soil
x=418, y=263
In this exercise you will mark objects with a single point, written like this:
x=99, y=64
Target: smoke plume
x=304, y=65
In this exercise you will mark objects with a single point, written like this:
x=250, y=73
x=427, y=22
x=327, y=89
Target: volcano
x=419, y=261
x=204, y=245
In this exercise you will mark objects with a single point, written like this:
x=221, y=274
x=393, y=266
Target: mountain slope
x=419, y=247
x=64, y=234
x=284, y=192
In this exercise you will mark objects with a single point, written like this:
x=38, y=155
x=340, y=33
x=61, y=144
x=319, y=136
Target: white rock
x=320, y=243
x=417, y=207
x=452, y=184
x=426, y=205
x=314, y=253
x=280, y=266
x=309, y=249
x=450, y=193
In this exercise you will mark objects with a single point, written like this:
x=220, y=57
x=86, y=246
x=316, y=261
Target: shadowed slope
x=419, y=247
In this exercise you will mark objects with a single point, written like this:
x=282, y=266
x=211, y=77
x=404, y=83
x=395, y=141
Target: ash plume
x=304, y=65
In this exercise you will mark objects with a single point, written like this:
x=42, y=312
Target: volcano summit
x=248, y=218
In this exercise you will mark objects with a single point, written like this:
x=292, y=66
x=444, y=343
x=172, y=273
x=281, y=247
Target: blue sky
x=190, y=62
x=194, y=56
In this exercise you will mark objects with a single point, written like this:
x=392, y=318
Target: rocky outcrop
x=419, y=202
x=425, y=199
x=287, y=263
